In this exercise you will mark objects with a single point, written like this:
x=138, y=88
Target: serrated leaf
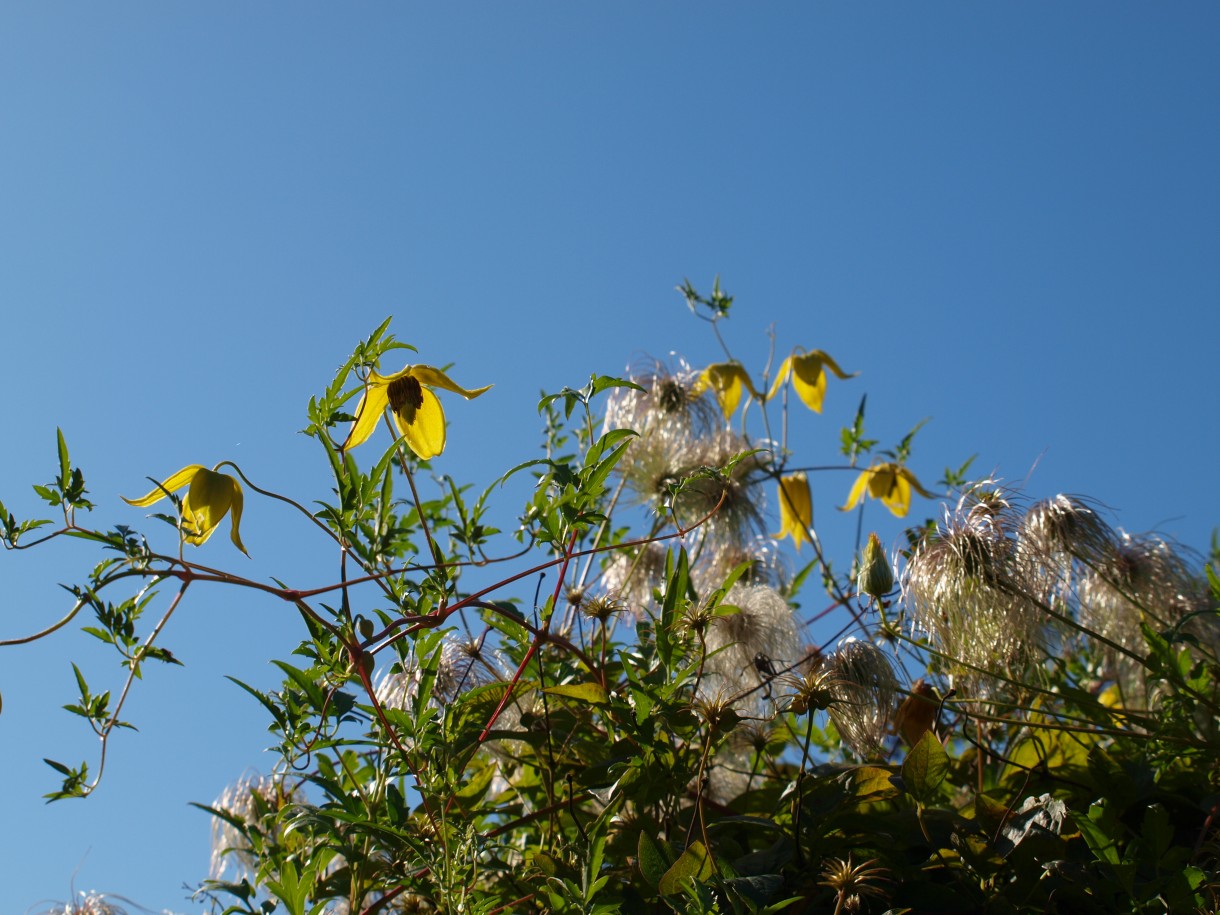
x=46, y=494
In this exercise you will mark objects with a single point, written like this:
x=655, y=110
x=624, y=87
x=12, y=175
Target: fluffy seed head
x=762, y=626
x=1145, y=579
x=669, y=404
x=90, y=903
x=863, y=688
x=253, y=800
x=765, y=564
x=963, y=587
x=1060, y=539
x=463, y=665
x=633, y=575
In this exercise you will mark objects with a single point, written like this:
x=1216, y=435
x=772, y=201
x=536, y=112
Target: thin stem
x=136, y=660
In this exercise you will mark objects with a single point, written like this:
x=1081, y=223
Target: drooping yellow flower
x=808, y=373
x=891, y=483
x=211, y=496
x=795, y=508
x=726, y=380
x=417, y=411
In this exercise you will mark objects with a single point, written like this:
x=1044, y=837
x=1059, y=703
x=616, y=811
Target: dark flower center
x=406, y=396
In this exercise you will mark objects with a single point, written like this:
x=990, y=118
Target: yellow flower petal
x=785, y=369
x=236, y=509
x=891, y=487
x=829, y=362
x=435, y=378
x=726, y=380
x=809, y=381
x=795, y=508
x=368, y=412
x=857, y=491
x=808, y=373
x=211, y=496
x=424, y=426
x=891, y=484
x=408, y=395
x=915, y=484
x=207, y=502
x=175, y=482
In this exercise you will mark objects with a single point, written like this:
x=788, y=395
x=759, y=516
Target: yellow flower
x=891, y=483
x=808, y=373
x=417, y=411
x=726, y=380
x=211, y=496
x=795, y=508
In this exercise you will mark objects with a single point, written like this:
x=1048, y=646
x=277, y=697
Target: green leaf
x=65, y=466
x=694, y=864
x=474, y=789
x=1157, y=831
x=758, y=889
x=925, y=768
x=874, y=783
x=57, y=766
x=990, y=813
x=302, y=680
x=591, y=693
x=677, y=576
x=653, y=861
x=47, y=494
x=1095, y=836
x=80, y=682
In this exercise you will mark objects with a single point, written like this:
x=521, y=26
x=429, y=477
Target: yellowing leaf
x=582, y=692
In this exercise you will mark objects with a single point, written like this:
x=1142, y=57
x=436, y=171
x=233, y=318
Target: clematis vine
x=210, y=497
x=727, y=380
x=795, y=508
x=808, y=374
x=891, y=483
x=416, y=410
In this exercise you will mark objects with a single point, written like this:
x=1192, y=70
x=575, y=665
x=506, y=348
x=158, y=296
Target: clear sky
x=1006, y=216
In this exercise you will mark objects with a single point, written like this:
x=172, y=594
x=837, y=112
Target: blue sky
x=1005, y=216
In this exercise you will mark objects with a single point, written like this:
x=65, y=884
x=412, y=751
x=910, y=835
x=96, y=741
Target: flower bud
x=876, y=576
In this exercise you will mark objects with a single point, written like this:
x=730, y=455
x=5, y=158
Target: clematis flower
x=211, y=496
x=795, y=508
x=417, y=411
x=891, y=483
x=808, y=374
x=726, y=380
